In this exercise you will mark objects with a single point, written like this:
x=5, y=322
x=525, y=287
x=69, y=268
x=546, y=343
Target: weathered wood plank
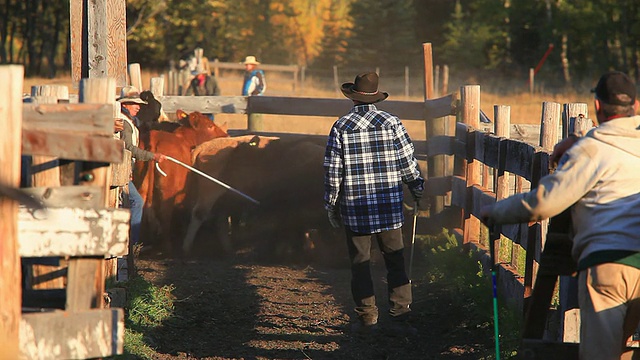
x=240, y=66
x=84, y=274
x=440, y=145
x=90, y=119
x=117, y=41
x=77, y=29
x=205, y=104
x=72, y=335
x=479, y=198
x=121, y=173
x=72, y=146
x=11, y=77
x=437, y=186
x=487, y=149
x=73, y=232
x=406, y=110
x=83, y=197
x=458, y=191
x=519, y=158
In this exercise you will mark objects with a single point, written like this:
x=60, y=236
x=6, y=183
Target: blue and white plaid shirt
x=368, y=156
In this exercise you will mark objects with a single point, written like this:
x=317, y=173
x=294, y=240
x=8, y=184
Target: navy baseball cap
x=616, y=88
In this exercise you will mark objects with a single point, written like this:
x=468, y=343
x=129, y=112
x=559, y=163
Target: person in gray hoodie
x=598, y=177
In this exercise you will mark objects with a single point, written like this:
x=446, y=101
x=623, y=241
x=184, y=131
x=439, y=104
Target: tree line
x=473, y=37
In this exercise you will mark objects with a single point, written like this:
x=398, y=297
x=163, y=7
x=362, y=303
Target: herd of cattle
x=188, y=213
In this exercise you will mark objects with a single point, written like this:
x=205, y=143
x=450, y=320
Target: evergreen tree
x=333, y=45
x=382, y=35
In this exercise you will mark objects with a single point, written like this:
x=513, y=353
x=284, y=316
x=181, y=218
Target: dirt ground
x=240, y=308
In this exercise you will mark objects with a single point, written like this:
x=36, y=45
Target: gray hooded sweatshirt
x=600, y=176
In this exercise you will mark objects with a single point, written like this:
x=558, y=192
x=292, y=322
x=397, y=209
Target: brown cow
x=284, y=175
x=163, y=195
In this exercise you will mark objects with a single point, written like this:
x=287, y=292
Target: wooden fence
x=178, y=79
x=77, y=224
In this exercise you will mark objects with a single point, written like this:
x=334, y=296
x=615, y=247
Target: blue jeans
x=135, y=206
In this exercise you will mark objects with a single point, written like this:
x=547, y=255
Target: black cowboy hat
x=364, y=89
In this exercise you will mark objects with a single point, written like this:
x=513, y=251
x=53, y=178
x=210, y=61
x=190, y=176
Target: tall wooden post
x=550, y=125
x=406, y=82
x=98, y=40
x=95, y=91
x=435, y=128
x=502, y=128
x=135, y=77
x=157, y=86
x=470, y=114
x=10, y=149
x=574, y=119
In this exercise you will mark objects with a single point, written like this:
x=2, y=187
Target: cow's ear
x=255, y=141
x=181, y=114
x=194, y=119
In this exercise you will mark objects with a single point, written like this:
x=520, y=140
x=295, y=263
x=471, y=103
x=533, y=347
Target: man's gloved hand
x=416, y=188
x=334, y=218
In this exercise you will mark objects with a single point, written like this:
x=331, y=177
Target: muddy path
x=235, y=309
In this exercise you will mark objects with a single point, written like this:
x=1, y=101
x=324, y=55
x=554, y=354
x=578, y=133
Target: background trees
x=474, y=37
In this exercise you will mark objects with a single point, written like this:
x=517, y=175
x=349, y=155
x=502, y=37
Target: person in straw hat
x=368, y=157
x=254, y=80
x=130, y=102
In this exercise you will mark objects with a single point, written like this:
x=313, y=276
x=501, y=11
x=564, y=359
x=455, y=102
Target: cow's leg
x=198, y=216
x=222, y=232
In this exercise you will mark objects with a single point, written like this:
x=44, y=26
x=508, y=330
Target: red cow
x=164, y=195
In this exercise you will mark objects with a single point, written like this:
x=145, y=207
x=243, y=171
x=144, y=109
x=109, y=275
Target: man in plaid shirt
x=369, y=156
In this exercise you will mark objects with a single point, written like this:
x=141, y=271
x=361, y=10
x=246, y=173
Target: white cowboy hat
x=130, y=94
x=251, y=60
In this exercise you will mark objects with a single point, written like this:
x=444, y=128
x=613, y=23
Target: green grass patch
x=452, y=269
x=147, y=307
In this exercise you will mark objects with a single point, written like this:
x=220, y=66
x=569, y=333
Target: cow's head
x=205, y=128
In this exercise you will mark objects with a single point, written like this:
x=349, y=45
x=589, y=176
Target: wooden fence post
x=435, y=127
x=157, y=86
x=406, y=82
x=95, y=91
x=445, y=79
x=549, y=127
x=574, y=118
x=216, y=69
x=436, y=81
x=502, y=128
x=45, y=172
x=531, y=81
x=470, y=114
x=336, y=83
x=172, y=83
x=135, y=78
x=98, y=39
x=11, y=77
